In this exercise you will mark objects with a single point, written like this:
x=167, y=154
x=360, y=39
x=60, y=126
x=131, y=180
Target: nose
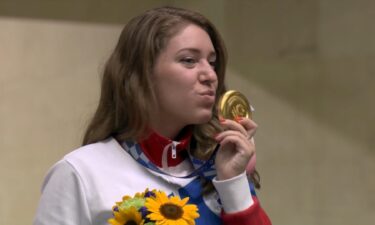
x=207, y=74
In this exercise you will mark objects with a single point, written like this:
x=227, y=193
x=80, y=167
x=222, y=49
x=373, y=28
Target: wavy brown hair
x=127, y=93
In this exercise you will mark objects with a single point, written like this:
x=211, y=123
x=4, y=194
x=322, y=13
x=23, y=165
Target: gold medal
x=234, y=104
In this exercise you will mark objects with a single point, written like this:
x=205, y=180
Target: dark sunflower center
x=171, y=211
x=131, y=222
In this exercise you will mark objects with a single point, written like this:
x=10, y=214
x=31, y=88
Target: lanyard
x=205, y=168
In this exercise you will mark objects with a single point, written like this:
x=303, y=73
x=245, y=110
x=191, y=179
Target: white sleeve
x=235, y=194
x=63, y=200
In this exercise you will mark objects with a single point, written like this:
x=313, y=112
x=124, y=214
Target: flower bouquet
x=153, y=208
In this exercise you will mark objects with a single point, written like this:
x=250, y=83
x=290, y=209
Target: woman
x=155, y=126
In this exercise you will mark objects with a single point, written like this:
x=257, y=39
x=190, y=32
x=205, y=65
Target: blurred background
x=308, y=68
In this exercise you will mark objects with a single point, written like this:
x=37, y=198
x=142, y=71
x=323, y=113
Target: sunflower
x=171, y=211
x=129, y=216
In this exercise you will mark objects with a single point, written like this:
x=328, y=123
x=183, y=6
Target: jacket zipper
x=174, y=149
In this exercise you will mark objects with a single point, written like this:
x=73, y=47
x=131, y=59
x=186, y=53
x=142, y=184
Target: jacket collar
x=174, y=151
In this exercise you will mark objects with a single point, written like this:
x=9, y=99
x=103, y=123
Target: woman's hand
x=236, y=147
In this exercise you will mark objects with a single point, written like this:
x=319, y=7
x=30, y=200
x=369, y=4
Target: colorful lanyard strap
x=205, y=168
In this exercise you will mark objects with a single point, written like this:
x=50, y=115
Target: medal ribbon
x=205, y=168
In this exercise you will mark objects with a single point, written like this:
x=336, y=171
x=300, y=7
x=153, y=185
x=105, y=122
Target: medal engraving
x=234, y=104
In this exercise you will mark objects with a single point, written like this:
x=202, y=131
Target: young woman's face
x=184, y=78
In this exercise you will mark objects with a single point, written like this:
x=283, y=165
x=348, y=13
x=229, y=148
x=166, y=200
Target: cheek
x=181, y=85
x=174, y=83
x=216, y=84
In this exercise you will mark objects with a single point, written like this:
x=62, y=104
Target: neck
x=167, y=129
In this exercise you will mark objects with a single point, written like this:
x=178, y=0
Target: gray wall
x=306, y=66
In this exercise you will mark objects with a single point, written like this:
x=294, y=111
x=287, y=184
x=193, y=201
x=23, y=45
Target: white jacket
x=82, y=188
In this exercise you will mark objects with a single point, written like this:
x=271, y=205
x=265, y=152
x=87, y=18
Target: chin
x=203, y=118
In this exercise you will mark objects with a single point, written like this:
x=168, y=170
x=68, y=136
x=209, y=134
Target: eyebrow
x=196, y=51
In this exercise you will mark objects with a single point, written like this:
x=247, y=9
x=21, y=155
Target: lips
x=208, y=96
x=208, y=93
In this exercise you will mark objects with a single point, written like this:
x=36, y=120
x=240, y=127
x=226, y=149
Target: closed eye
x=213, y=64
x=188, y=61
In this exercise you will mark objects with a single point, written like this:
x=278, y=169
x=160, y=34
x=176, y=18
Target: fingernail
x=221, y=119
x=238, y=118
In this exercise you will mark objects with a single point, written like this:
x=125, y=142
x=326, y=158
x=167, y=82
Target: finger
x=240, y=144
x=223, y=138
x=233, y=125
x=252, y=140
x=247, y=123
x=219, y=137
x=246, y=137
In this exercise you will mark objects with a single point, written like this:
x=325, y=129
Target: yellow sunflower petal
x=126, y=215
x=114, y=222
x=191, y=222
x=190, y=207
x=119, y=216
x=155, y=216
x=162, y=197
x=190, y=212
x=185, y=200
x=162, y=222
x=152, y=205
x=118, y=203
x=126, y=197
x=180, y=222
x=141, y=194
x=177, y=201
x=190, y=216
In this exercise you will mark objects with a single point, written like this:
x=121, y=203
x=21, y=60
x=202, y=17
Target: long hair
x=127, y=93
